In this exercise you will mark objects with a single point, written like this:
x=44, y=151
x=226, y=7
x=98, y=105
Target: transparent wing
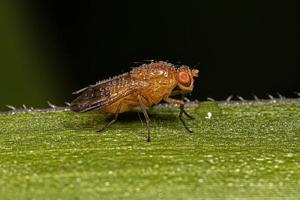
x=105, y=93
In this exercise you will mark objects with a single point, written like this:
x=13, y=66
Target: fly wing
x=105, y=93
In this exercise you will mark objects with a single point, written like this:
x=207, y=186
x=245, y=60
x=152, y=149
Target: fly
x=144, y=87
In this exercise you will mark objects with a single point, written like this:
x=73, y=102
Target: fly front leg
x=113, y=120
x=181, y=105
x=180, y=102
x=143, y=108
x=182, y=111
x=181, y=119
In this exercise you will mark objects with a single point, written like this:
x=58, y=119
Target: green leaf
x=242, y=151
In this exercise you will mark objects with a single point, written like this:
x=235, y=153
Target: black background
x=240, y=47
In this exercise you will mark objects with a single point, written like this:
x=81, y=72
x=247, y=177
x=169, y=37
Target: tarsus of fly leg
x=143, y=108
x=113, y=120
x=182, y=111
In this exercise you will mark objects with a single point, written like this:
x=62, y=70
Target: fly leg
x=181, y=119
x=113, y=120
x=182, y=111
x=181, y=103
x=143, y=108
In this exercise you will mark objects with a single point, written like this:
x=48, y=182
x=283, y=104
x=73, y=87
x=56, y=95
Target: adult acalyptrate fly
x=143, y=87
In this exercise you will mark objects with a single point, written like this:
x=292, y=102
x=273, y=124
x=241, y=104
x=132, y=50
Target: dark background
x=240, y=47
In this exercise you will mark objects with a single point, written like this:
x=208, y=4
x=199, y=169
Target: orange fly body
x=143, y=87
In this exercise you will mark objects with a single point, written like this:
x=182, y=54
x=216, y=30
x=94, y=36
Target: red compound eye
x=184, y=78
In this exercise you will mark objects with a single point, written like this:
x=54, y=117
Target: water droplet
x=209, y=115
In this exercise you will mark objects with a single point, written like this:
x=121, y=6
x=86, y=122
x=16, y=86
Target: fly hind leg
x=113, y=120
